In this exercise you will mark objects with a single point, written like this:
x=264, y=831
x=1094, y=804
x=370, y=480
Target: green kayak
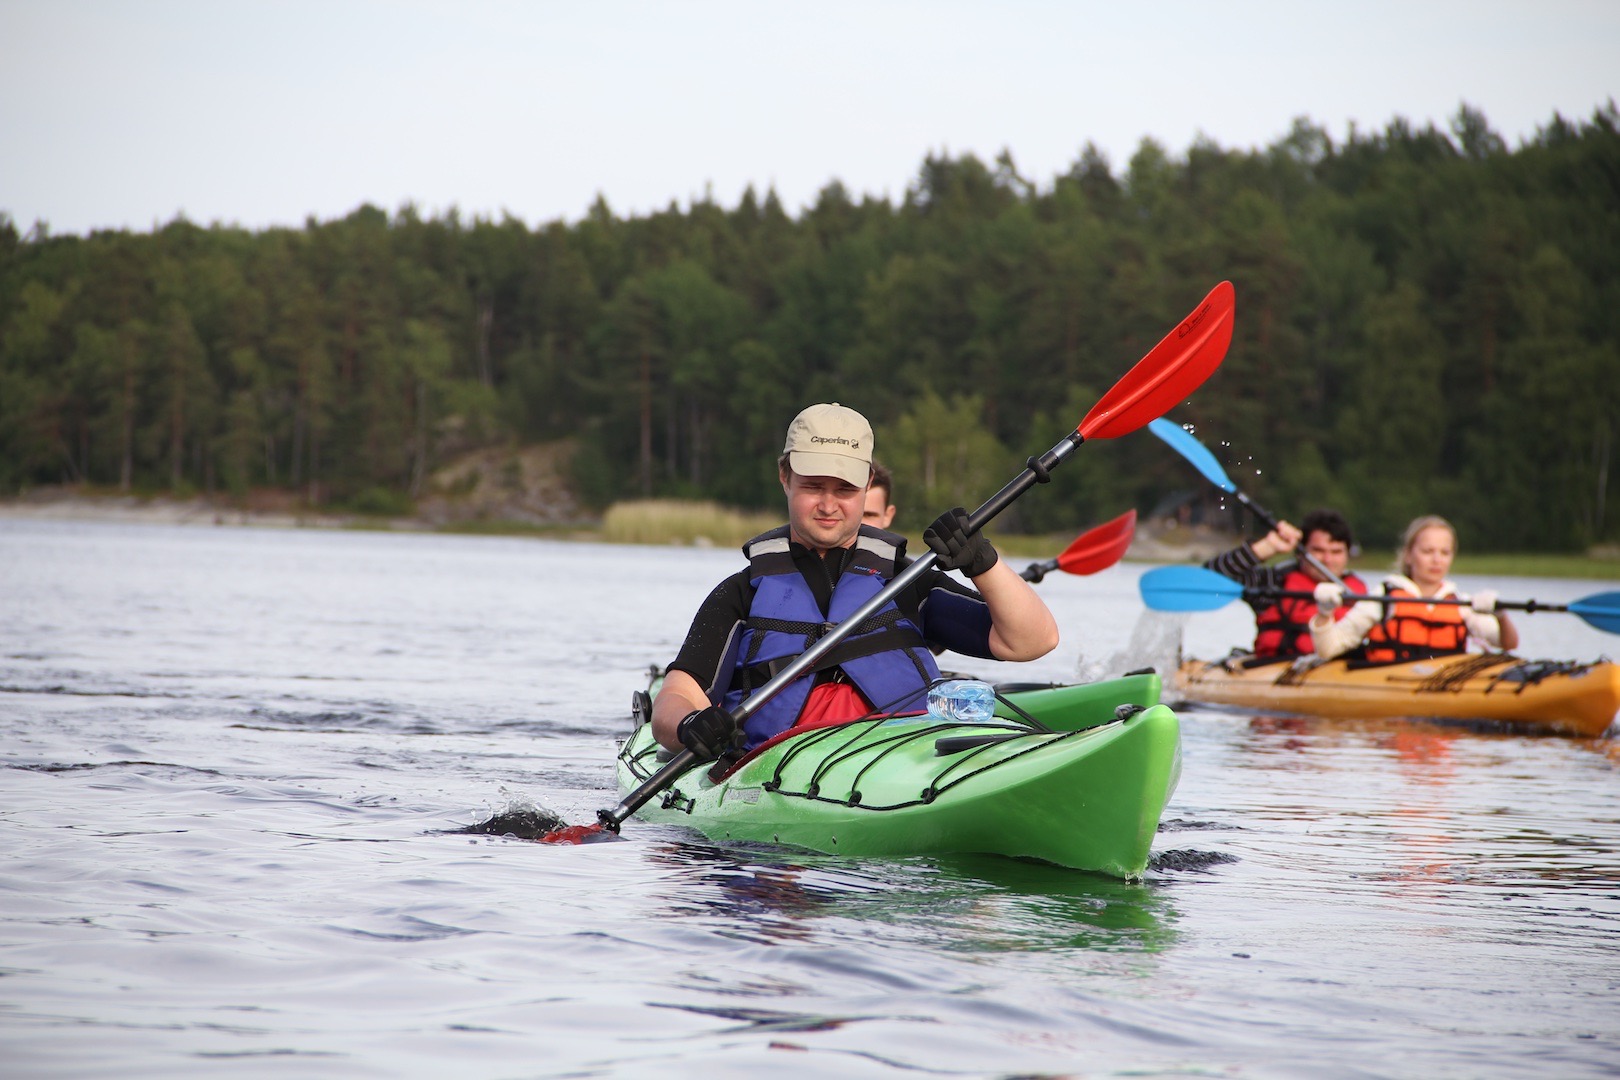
x=1079, y=779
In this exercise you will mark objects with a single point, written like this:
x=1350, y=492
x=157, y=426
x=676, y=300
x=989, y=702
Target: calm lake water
x=232, y=755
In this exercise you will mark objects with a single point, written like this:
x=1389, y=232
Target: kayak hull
x=1566, y=698
x=1087, y=795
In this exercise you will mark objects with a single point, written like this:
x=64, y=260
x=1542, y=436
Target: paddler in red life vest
x=1414, y=629
x=1282, y=626
x=811, y=574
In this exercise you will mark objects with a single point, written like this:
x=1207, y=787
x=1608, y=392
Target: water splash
x=1155, y=642
x=524, y=820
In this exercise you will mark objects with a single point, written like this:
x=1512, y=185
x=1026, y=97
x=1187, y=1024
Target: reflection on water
x=964, y=904
x=1017, y=906
x=262, y=798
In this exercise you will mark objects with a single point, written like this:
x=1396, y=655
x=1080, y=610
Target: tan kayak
x=1549, y=695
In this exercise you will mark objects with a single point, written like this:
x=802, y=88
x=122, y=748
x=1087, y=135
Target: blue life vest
x=885, y=658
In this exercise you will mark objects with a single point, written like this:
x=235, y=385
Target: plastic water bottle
x=962, y=700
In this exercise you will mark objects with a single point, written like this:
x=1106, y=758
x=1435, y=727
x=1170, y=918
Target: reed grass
x=685, y=522
x=1548, y=566
x=679, y=521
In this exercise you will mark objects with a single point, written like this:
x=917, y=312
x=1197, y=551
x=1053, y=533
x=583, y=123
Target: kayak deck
x=1088, y=796
x=1555, y=696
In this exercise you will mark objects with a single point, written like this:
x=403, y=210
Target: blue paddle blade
x=1601, y=610
x=1183, y=443
x=1187, y=588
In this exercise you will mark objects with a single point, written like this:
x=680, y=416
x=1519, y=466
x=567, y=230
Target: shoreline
x=200, y=510
x=203, y=511
x=139, y=510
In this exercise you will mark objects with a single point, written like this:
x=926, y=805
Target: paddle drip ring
x=1043, y=475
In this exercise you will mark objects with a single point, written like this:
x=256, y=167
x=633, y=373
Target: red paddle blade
x=1175, y=367
x=578, y=834
x=1100, y=548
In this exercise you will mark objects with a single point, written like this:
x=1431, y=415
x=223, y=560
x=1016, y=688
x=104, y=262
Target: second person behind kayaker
x=1282, y=624
x=879, y=509
x=1413, y=628
x=810, y=574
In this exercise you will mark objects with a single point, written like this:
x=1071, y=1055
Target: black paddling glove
x=948, y=538
x=708, y=733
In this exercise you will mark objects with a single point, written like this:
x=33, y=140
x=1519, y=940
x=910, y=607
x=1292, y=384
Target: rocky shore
x=523, y=487
x=498, y=489
x=69, y=504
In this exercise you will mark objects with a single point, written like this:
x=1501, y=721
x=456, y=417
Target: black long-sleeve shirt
x=1244, y=567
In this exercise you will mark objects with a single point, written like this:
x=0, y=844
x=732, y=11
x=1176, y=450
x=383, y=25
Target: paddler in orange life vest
x=1282, y=626
x=1412, y=628
x=809, y=575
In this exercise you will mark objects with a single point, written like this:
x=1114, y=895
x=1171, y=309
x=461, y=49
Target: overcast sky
x=127, y=113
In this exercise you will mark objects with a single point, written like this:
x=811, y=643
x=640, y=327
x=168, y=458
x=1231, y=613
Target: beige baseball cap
x=831, y=440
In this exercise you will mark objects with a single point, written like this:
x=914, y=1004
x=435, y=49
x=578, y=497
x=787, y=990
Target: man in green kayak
x=1283, y=624
x=809, y=575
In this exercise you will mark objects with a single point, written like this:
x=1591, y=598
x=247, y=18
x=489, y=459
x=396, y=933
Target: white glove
x=1329, y=597
x=1484, y=601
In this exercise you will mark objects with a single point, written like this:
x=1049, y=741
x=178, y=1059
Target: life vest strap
x=870, y=642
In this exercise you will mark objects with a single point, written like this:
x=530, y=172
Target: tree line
x=1427, y=321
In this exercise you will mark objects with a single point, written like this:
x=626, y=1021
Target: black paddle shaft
x=1528, y=606
x=658, y=781
x=1037, y=471
x=1270, y=522
x=1036, y=572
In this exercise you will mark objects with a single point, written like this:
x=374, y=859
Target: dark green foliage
x=380, y=501
x=1428, y=321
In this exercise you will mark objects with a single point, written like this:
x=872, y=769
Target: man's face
x=823, y=511
x=879, y=512
x=1331, y=553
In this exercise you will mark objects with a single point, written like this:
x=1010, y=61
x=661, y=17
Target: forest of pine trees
x=1427, y=321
